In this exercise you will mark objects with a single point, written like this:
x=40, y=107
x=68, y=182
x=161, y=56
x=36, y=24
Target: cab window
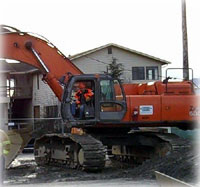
x=111, y=90
x=106, y=90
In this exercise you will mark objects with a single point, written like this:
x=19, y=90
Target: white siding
x=98, y=61
x=94, y=63
x=43, y=96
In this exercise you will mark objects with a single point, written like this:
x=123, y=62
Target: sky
x=153, y=27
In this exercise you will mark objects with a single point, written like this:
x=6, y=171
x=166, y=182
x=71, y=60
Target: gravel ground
x=97, y=183
x=181, y=165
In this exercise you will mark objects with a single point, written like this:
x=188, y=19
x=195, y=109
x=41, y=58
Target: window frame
x=138, y=73
x=153, y=68
x=109, y=50
x=51, y=111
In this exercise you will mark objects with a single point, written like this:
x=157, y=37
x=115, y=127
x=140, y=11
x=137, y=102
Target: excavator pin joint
x=28, y=45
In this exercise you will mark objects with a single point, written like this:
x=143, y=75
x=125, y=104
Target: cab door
x=71, y=109
x=112, y=100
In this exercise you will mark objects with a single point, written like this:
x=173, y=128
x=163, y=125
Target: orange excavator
x=112, y=118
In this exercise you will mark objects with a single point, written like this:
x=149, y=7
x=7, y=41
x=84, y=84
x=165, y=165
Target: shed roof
x=73, y=57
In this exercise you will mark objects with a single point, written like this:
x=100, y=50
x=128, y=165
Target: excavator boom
x=40, y=54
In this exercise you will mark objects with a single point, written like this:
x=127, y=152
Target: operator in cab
x=83, y=97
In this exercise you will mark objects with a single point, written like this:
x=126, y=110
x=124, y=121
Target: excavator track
x=74, y=151
x=87, y=153
x=148, y=145
x=175, y=141
x=172, y=141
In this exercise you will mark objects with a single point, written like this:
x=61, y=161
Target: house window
x=36, y=111
x=152, y=73
x=38, y=81
x=109, y=50
x=138, y=73
x=51, y=111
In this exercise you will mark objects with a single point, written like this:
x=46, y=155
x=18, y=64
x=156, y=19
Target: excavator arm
x=39, y=53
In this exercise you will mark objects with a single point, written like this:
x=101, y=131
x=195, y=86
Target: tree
x=116, y=69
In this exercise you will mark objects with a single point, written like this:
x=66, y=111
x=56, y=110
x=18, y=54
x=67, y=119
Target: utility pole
x=185, y=43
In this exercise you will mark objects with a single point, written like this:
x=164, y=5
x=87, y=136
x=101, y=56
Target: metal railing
x=39, y=125
x=6, y=91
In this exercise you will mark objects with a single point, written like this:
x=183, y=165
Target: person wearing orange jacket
x=83, y=96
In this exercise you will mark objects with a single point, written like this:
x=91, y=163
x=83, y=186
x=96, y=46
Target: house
x=138, y=67
x=18, y=88
x=4, y=100
x=32, y=98
x=196, y=82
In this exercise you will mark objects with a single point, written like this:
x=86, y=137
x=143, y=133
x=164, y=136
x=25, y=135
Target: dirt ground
x=182, y=165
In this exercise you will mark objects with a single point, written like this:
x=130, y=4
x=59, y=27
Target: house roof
x=16, y=68
x=196, y=81
x=73, y=57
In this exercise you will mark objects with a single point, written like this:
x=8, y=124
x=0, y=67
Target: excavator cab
x=106, y=101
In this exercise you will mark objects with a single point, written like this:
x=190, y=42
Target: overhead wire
x=128, y=69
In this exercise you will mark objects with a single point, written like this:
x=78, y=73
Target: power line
x=128, y=69
x=96, y=60
x=104, y=62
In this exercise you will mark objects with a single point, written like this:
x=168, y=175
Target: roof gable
x=79, y=55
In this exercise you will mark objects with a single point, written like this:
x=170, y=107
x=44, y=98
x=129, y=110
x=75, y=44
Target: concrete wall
x=97, y=62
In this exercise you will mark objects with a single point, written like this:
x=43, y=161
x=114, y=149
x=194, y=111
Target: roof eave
x=73, y=57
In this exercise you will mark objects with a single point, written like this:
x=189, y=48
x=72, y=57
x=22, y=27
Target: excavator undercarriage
x=90, y=153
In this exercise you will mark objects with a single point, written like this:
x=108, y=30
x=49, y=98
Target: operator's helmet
x=82, y=85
